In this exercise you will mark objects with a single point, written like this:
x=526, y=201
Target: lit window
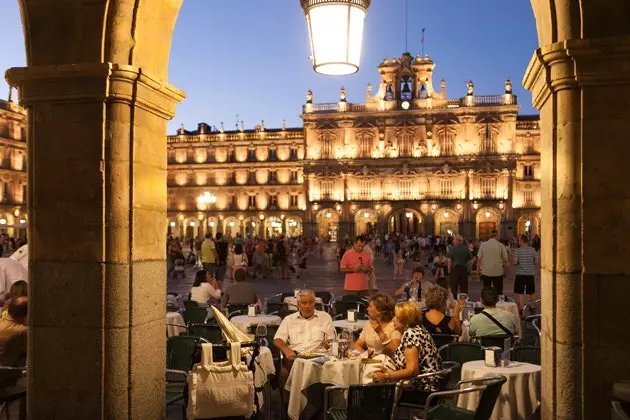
x=528, y=198
x=488, y=187
x=294, y=201
x=326, y=190
x=365, y=190
x=447, y=143
x=404, y=188
x=446, y=187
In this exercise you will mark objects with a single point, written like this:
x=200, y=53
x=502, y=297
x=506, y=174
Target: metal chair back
x=527, y=354
x=366, y=402
x=461, y=352
x=444, y=339
x=210, y=332
x=195, y=315
x=236, y=310
x=494, y=340
x=179, y=352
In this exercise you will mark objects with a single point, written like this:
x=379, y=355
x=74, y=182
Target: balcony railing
x=483, y=100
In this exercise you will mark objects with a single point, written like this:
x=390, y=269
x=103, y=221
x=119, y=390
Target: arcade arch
x=365, y=222
x=328, y=224
x=528, y=225
x=293, y=226
x=487, y=219
x=405, y=221
x=446, y=222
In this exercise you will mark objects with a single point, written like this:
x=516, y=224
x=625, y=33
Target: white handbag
x=220, y=389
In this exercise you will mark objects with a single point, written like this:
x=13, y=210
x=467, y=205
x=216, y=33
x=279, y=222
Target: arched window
x=447, y=143
x=389, y=94
x=405, y=144
x=487, y=144
x=327, y=146
x=423, y=93
x=365, y=145
x=406, y=93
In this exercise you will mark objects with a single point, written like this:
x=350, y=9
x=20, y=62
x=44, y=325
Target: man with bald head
x=457, y=260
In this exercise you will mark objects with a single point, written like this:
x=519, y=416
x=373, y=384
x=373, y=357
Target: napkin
x=320, y=360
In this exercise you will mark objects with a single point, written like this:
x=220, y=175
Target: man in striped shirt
x=525, y=269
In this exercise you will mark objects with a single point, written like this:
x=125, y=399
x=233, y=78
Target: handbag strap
x=493, y=319
x=207, y=358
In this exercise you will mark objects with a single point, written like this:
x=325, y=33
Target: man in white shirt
x=491, y=259
x=304, y=331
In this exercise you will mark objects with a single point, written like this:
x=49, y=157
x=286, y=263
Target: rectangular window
x=365, y=146
x=528, y=171
x=293, y=155
x=365, y=190
x=272, y=177
x=233, y=203
x=294, y=176
x=447, y=144
x=273, y=201
x=326, y=190
x=446, y=188
x=6, y=192
x=24, y=193
x=404, y=190
x=405, y=145
x=294, y=201
x=251, y=155
x=252, y=201
x=273, y=155
x=487, y=145
x=488, y=187
x=528, y=198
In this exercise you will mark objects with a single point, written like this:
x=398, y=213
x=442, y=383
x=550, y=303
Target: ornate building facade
x=254, y=176
x=13, y=177
x=408, y=160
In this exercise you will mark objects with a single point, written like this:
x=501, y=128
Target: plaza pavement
x=322, y=274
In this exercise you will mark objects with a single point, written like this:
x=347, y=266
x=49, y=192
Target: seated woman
x=416, y=353
x=435, y=319
x=443, y=282
x=380, y=335
x=206, y=290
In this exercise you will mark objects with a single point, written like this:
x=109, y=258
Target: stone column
x=97, y=205
x=582, y=88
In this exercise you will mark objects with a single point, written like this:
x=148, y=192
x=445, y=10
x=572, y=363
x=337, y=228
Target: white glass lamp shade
x=336, y=33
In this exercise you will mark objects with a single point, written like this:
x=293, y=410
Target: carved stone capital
x=575, y=63
x=104, y=82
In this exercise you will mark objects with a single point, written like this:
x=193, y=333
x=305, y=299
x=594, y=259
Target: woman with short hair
x=435, y=319
x=380, y=335
x=206, y=290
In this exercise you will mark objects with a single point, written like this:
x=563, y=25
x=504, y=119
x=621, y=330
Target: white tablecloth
x=305, y=373
x=352, y=326
x=243, y=322
x=291, y=302
x=173, y=319
x=519, y=395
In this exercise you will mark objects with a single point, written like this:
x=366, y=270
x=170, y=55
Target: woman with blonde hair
x=435, y=319
x=416, y=353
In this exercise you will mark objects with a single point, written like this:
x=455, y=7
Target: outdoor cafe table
x=519, y=396
x=243, y=322
x=305, y=373
x=175, y=324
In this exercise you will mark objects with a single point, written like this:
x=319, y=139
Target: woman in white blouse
x=206, y=290
x=379, y=335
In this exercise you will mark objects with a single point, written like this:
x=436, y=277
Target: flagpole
x=423, y=29
x=406, y=25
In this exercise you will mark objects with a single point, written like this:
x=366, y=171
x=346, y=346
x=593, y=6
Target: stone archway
x=405, y=221
x=446, y=222
x=365, y=222
x=487, y=220
x=114, y=85
x=328, y=224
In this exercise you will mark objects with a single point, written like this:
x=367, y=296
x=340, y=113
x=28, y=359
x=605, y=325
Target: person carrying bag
x=220, y=389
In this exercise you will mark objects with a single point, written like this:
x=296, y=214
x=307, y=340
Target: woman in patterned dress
x=416, y=354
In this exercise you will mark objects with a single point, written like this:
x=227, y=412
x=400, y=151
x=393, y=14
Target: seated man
x=241, y=292
x=417, y=280
x=13, y=349
x=304, y=331
x=486, y=322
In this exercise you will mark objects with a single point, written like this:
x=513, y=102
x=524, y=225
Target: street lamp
x=206, y=198
x=336, y=33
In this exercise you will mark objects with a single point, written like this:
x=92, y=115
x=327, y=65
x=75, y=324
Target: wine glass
x=261, y=334
x=344, y=343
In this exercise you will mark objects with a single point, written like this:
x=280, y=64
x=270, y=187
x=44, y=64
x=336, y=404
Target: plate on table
x=310, y=355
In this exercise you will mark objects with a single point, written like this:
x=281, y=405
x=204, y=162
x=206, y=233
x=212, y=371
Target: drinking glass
x=501, y=299
x=261, y=334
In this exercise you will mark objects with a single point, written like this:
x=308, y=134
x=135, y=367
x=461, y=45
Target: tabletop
x=175, y=324
x=305, y=373
x=519, y=396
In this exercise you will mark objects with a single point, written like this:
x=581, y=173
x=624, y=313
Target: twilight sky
x=250, y=57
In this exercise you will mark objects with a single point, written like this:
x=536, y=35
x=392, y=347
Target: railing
x=527, y=125
x=237, y=136
x=494, y=100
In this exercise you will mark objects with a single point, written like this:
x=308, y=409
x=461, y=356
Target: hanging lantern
x=336, y=34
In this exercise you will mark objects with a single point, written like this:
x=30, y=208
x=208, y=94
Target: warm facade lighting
x=262, y=217
x=446, y=214
x=172, y=224
x=409, y=215
x=336, y=34
x=487, y=214
x=329, y=215
x=366, y=215
x=207, y=198
x=22, y=221
x=192, y=224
